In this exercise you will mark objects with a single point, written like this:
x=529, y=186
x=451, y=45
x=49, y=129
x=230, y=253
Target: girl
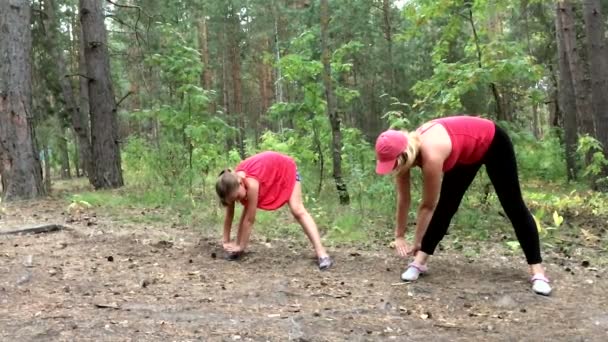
x=455, y=148
x=267, y=181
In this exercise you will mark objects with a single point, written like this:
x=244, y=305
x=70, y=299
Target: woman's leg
x=502, y=170
x=501, y=165
x=453, y=187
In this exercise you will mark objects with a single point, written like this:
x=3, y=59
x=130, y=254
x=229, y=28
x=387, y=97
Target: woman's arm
x=403, y=207
x=403, y=203
x=431, y=175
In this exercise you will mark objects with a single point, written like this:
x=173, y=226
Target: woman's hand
x=401, y=247
x=414, y=249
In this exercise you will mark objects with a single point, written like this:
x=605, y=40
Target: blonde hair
x=226, y=184
x=408, y=157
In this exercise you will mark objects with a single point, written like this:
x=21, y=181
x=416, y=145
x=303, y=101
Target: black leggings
x=502, y=169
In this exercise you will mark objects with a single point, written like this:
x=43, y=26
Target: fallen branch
x=123, y=98
x=45, y=228
x=447, y=326
x=107, y=306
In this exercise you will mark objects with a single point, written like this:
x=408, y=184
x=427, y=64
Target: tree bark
x=82, y=124
x=332, y=107
x=566, y=88
x=235, y=68
x=19, y=160
x=207, y=73
x=580, y=83
x=107, y=172
x=46, y=179
x=79, y=121
x=388, y=35
x=598, y=64
x=501, y=114
x=62, y=143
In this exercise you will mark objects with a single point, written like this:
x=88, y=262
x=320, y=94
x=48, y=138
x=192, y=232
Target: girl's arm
x=228, y=222
x=248, y=217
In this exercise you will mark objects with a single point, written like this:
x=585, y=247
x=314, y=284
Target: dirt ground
x=103, y=280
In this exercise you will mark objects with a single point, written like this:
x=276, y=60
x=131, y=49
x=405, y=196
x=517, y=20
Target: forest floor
x=106, y=280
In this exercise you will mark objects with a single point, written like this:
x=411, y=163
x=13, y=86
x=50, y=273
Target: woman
x=267, y=181
x=455, y=148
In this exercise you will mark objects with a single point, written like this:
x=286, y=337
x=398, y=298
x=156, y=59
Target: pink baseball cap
x=389, y=145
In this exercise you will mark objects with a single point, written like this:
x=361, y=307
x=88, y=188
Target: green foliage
x=538, y=159
x=463, y=68
x=597, y=162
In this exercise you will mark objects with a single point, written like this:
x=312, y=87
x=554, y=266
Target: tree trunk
x=78, y=122
x=107, y=172
x=278, y=82
x=47, y=167
x=19, y=160
x=388, y=35
x=226, y=87
x=64, y=156
x=332, y=107
x=566, y=88
x=76, y=156
x=580, y=83
x=235, y=67
x=82, y=124
x=598, y=63
x=501, y=114
x=203, y=44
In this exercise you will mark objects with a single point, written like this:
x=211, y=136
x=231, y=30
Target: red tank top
x=471, y=137
x=276, y=174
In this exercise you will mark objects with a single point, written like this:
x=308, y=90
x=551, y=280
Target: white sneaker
x=540, y=285
x=413, y=271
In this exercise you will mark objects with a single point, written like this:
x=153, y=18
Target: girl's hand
x=401, y=247
x=228, y=246
x=234, y=248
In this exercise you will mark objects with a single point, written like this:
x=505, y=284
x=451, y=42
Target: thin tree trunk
x=566, y=89
x=536, y=120
x=598, y=60
x=500, y=112
x=226, y=87
x=278, y=77
x=237, y=90
x=19, y=160
x=388, y=35
x=203, y=43
x=64, y=156
x=47, y=168
x=82, y=124
x=107, y=172
x=76, y=156
x=332, y=108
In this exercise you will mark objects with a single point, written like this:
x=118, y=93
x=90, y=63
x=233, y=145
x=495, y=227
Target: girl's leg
x=306, y=221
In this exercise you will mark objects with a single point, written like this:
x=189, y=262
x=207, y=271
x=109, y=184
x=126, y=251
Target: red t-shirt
x=276, y=174
x=471, y=137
